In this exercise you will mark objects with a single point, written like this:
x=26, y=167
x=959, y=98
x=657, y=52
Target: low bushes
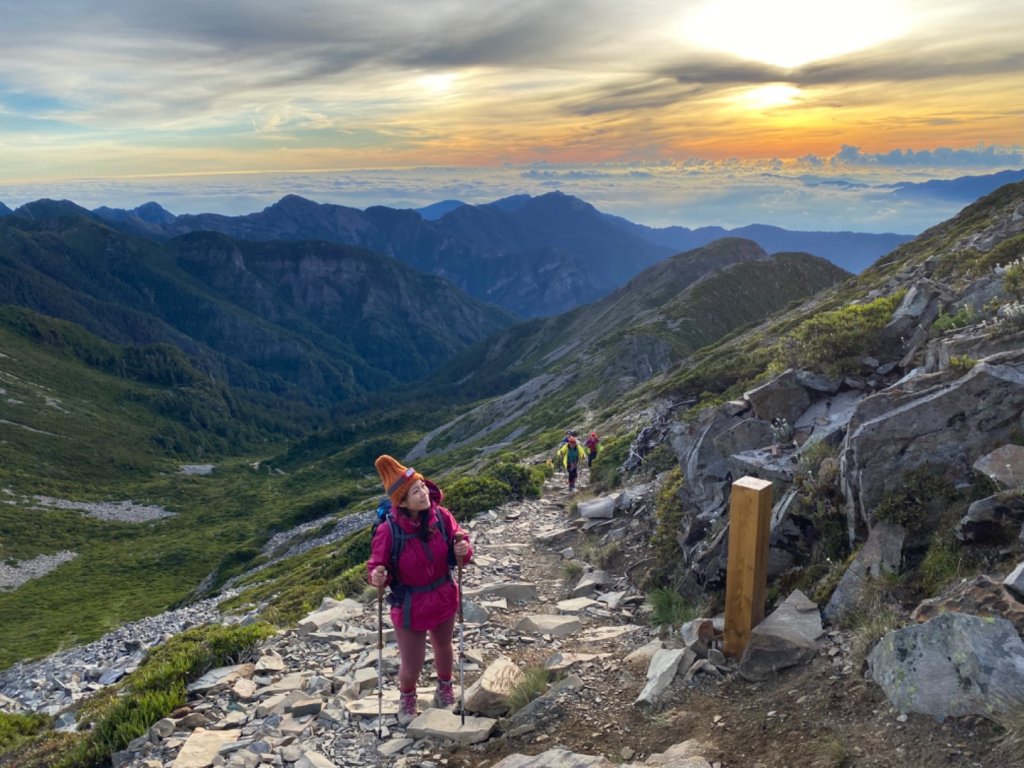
x=501, y=482
x=123, y=712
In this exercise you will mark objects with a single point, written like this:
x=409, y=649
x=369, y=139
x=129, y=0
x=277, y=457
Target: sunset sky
x=688, y=112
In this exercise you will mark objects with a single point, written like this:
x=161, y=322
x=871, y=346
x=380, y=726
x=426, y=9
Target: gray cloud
x=909, y=63
x=941, y=157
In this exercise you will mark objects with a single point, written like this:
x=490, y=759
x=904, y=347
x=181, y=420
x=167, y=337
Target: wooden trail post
x=750, y=510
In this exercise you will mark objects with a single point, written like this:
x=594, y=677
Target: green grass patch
x=157, y=687
x=17, y=730
x=669, y=608
x=533, y=684
x=669, y=514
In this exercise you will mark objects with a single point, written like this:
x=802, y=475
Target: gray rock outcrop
x=955, y=664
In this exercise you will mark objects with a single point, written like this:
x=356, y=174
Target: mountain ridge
x=537, y=256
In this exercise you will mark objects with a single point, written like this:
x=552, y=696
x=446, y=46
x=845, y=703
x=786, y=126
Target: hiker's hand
x=461, y=548
x=379, y=576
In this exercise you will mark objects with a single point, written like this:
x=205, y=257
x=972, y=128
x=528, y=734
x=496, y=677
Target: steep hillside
x=885, y=409
x=592, y=355
x=305, y=321
x=95, y=441
x=852, y=251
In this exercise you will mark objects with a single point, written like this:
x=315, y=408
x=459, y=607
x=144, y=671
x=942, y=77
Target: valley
x=189, y=416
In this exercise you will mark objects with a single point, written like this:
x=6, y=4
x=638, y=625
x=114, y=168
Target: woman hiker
x=423, y=596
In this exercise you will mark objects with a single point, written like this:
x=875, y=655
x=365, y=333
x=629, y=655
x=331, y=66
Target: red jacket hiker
x=421, y=563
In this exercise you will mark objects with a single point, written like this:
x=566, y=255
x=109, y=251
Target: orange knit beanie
x=396, y=478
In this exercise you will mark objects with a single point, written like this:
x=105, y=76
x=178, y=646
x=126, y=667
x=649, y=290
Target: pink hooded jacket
x=421, y=563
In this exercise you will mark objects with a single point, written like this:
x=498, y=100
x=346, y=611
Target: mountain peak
x=435, y=211
x=292, y=203
x=47, y=208
x=154, y=213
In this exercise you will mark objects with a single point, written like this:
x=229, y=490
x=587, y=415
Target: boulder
x=954, y=665
x=1003, y=466
x=600, y=508
x=489, y=694
x=784, y=397
x=981, y=596
x=992, y=521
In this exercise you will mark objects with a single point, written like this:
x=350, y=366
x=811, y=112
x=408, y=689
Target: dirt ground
x=820, y=715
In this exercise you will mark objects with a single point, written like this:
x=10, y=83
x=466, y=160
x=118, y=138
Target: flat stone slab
x=335, y=614
x=515, y=591
x=394, y=746
x=286, y=684
x=550, y=537
x=445, y=724
x=560, y=661
x=220, y=676
x=546, y=624
x=607, y=633
x=367, y=706
x=202, y=747
x=575, y=605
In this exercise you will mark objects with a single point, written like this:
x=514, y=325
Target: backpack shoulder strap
x=448, y=537
x=399, y=537
x=397, y=542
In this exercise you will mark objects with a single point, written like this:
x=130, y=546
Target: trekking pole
x=462, y=643
x=380, y=662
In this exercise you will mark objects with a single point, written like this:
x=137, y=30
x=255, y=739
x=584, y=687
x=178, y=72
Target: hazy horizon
x=657, y=196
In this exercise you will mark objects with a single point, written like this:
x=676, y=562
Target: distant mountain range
x=307, y=321
x=536, y=256
x=964, y=189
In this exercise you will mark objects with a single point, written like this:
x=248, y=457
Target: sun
x=790, y=33
x=768, y=96
x=438, y=82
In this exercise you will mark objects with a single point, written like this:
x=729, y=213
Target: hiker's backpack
x=572, y=454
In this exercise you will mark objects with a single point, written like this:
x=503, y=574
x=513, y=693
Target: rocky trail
x=532, y=601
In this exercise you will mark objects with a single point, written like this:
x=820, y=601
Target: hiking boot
x=444, y=696
x=406, y=707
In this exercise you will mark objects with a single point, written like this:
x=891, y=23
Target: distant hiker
x=592, y=441
x=559, y=465
x=569, y=457
x=417, y=566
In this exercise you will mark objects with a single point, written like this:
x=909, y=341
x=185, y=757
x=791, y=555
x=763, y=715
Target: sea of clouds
x=850, y=191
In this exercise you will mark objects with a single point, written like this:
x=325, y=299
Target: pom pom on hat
x=395, y=477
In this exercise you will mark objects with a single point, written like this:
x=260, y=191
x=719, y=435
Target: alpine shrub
x=522, y=481
x=469, y=496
